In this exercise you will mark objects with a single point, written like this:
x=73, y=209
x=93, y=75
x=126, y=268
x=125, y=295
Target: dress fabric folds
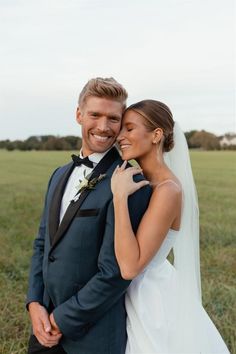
x=152, y=313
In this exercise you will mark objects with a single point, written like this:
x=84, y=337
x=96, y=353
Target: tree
x=188, y=136
x=33, y=143
x=3, y=143
x=205, y=140
x=72, y=141
x=56, y=143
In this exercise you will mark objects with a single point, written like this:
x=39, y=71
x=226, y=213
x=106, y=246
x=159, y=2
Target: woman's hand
x=122, y=184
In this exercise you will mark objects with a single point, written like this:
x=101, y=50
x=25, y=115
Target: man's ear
x=79, y=117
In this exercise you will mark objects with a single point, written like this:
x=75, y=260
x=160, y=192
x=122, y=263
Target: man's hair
x=104, y=88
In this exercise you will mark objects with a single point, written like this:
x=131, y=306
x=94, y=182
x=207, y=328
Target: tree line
x=43, y=142
x=196, y=140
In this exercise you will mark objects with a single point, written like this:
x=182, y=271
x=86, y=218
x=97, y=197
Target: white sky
x=177, y=51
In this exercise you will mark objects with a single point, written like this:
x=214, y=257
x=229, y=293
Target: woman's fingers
x=133, y=171
x=121, y=172
x=122, y=167
x=142, y=184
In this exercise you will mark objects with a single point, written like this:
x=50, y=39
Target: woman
x=163, y=302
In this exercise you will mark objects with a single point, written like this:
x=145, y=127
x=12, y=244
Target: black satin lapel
x=105, y=163
x=68, y=217
x=55, y=206
x=101, y=168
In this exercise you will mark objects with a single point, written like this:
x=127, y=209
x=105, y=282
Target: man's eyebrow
x=89, y=112
x=111, y=115
x=114, y=116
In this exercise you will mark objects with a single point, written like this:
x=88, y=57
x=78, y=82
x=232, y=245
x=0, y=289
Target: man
x=76, y=293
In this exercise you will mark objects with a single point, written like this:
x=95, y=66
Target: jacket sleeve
x=36, y=286
x=75, y=316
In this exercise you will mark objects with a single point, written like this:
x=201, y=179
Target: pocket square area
x=87, y=212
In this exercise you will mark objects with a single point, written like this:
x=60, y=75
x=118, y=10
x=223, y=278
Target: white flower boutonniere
x=86, y=183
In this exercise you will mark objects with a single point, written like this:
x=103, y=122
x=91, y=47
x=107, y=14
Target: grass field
x=23, y=178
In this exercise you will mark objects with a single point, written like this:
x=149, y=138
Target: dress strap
x=167, y=181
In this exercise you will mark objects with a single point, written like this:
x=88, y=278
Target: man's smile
x=100, y=138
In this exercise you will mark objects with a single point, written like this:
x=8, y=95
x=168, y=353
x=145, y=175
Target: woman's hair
x=104, y=88
x=156, y=115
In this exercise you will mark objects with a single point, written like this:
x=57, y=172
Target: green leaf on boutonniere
x=87, y=184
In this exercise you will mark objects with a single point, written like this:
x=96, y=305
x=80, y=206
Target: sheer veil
x=186, y=249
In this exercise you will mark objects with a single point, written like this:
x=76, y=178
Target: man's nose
x=103, y=124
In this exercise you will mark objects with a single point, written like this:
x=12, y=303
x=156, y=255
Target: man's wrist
x=33, y=304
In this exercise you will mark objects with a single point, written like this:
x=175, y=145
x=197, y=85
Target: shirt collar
x=96, y=156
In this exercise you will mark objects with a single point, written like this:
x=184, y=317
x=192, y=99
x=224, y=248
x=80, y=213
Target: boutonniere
x=87, y=184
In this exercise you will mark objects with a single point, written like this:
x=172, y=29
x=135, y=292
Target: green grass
x=215, y=175
x=23, y=178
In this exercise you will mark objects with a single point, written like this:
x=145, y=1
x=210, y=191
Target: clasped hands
x=44, y=326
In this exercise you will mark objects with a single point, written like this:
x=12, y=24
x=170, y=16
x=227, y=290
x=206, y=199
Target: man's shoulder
x=59, y=171
x=63, y=168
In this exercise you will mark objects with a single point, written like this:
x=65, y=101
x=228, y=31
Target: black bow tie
x=78, y=161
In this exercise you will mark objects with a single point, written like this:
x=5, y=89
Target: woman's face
x=134, y=139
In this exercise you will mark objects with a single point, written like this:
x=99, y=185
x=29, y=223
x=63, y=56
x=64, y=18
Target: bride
x=163, y=303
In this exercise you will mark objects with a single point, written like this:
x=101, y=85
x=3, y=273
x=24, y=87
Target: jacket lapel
x=101, y=168
x=55, y=206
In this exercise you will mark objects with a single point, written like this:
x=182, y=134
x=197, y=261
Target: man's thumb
x=47, y=325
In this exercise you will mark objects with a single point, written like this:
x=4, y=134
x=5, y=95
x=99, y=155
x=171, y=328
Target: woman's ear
x=157, y=135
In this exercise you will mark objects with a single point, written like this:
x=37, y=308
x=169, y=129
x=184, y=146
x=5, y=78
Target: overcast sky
x=177, y=51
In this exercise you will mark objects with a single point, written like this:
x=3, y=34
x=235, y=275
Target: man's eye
x=94, y=114
x=114, y=119
x=129, y=129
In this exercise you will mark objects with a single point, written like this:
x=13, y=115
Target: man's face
x=100, y=119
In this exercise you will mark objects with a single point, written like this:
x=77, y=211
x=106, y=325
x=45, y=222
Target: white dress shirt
x=77, y=175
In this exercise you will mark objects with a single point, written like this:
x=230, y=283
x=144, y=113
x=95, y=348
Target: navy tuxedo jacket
x=74, y=266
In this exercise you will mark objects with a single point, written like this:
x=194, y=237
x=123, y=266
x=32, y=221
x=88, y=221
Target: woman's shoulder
x=169, y=183
x=168, y=190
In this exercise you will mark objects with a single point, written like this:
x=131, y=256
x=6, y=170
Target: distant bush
x=188, y=136
x=44, y=142
x=205, y=140
x=196, y=140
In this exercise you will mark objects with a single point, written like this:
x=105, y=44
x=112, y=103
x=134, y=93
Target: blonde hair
x=104, y=88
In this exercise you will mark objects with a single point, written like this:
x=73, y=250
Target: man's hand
x=42, y=328
x=55, y=329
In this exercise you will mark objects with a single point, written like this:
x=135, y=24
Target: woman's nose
x=120, y=137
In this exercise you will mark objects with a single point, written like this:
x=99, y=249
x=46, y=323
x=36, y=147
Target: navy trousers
x=36, y=348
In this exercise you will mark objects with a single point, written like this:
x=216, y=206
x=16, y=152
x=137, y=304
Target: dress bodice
x=165, y=248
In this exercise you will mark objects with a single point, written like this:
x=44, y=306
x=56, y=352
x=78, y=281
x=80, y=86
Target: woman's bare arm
x=134, y=252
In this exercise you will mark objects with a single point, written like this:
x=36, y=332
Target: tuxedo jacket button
x=51, y=258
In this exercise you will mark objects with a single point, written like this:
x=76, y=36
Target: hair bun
x=168, y=142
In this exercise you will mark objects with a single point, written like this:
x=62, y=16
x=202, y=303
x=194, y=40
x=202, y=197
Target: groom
x=76, y=293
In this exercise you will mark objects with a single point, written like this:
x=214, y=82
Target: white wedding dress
x=152, y=312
